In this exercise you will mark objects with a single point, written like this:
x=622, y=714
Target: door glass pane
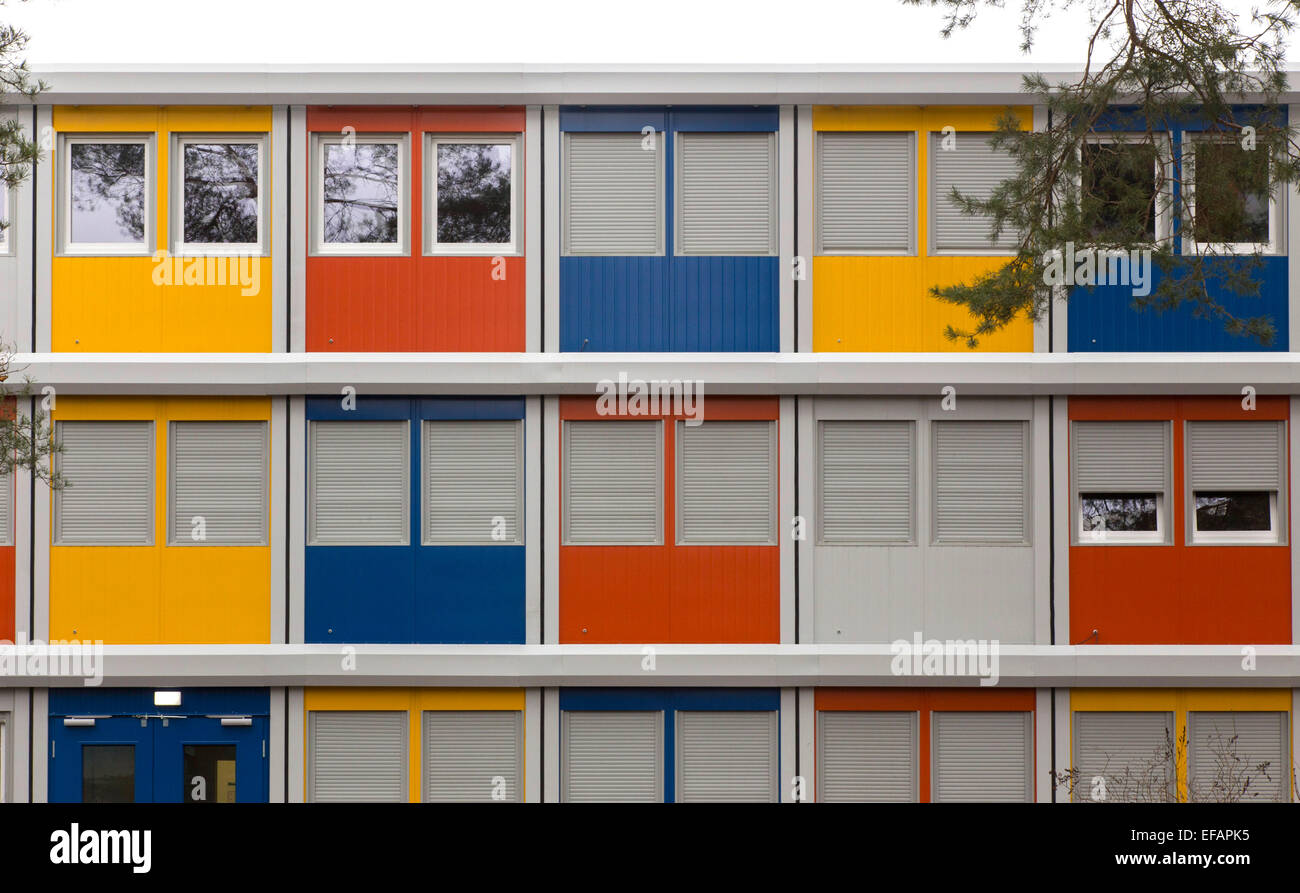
x=209, y=773
x=108, y=773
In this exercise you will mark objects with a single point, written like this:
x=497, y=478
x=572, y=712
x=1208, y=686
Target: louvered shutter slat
x=866, y=756
x=979, y=487
x=613, y=488
x=726, y=756
x=359, y=483
x=727, y=193
x=473, y=474
x=1236, y=455
x=1121, y=456
x=465, y=751
x=219, y=473
x=982, y=757
x=867, y=482
x=1227, y=753
x=612, y=757
x=864, y=192
x=612, y=188
x=728, y=482
x=975, y=169
x=1132, y=751
x=6, y=509
x=358, y=757
x=108, y=498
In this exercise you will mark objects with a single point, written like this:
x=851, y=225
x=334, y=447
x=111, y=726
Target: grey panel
x=868, y=481
x=1238, y=756
x=1120, y=456
x=1131, y=752
x=6, y=509
x=864, y=200
x=473, y=756
x=613, y=482
x=1236, y=455
x=726, y=193
x=726, y=756
x=613, y=194
x=219, y=473
x=866, y=756
x=982, y=757
x=357, y=483
x=727, y=482
x=356, y=756
x=612, y=757
x=975, y=169
x=473, y=473
x=981, y=482
x=109, y=497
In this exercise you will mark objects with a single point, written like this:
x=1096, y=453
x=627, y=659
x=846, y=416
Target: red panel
x=671, y=593
x=7, y=557
x=416, y=303
x=1179, y=594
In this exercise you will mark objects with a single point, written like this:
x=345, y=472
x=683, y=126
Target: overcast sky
x=554, y=31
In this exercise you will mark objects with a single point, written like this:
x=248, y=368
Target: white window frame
x=1155, y=537
x=312, y=538
x=1158, y=537
x=217, y=249
x=1269, y=537
x=65, y=245
x=913, y=204
x=400, y=248
x=172, y=540
x=57, y=509
x=1164, y=222
x=1276, y=236
x=470, y=249
x=936, y=138
x=521, y=457
x=679, y=194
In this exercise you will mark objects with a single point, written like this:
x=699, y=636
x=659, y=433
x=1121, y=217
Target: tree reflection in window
x=474, y=193
x=1229, y=511
x=1118, y=512
x=360, y=193
x=107, y=192
x=1119, y=190
x=1232, y=193
x=221, y=193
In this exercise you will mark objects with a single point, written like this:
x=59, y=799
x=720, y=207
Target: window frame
x=660, y=193
x=521, y=459
x=1270, y=537
x=1277, y=533
x=172, y=540
x=1161, y=536
x=1276, y=219
x=64, y=244
x=1157, y=537
x=181, y=248
x=432, y=247
x=681, y=137
x=932, y=199
x=56, y=509
x=321, y=141
x=566, y=478
x=679, y=497
x=913, y=167
x=1164, y=163
x=1026, y=479
x=309, y=534
x=913, y=486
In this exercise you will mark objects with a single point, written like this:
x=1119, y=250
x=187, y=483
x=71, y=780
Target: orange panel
x=7, y=626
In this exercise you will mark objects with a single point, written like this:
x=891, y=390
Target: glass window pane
x=474, y=193
x=360, y=193
x=1231, y=193
x=1119, y=190
x=1119, y=511
x=1232, y=511
x=107, y=192
x=209, y=773
x=108, y=773
x=221, y=193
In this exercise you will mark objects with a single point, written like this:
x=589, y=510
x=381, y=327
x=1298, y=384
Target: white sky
x=547, y=31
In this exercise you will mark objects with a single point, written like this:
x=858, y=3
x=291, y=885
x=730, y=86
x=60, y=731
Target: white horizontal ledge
x=1148, y=666
x=1002, y=374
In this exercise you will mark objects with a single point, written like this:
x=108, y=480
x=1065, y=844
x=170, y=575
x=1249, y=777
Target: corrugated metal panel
x=726, y=193
x=108, y=498
x=726, y=756
x=219, y=472
x=613, y=482
x=1239, y=755
x=981, y=479
x=474, y=473
x=357, y=757
x=613, y=194
x=612, y=757
x=866, y=756
x=357, y=483
x=724, y=304
x=1124, y=756
x=1236, y=455
x=982, y=757
x=867, y=471
x=727, y=482
x=1120, y=456
x=864, y=192
x=975, y=169
x=473, y=755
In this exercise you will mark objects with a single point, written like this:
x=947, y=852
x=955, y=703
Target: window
x=612, y=756
x=218, y=483
x=357, y=756
x=867, y=482
x=1124, y=757
x=726, y=193
x=613, y=483
x=1238, y=755
x=220, y=195
x=865, y=193
x=360, y=195
x=974, y=168
x=357, y=480
x=465, y=750
x=1125, y=188
x=982, y=757
x=867, y=756
x=108, y=496
x=726, y=756
x=474, y=195
x=726, y=473
x=1121, y=478
x=105, y=187
x=1231, y=204
x=613, y=194
x=473, y=482
x=1235, y=480
x=981, y=482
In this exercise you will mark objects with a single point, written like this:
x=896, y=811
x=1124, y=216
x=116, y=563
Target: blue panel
x=477, y=408
x=367, y=408
x=134, y=701
x=612, y=119
x=470, y=594
x=614, y=304
x=251, y=767
x=359, y=594
x=725, y=303
x=66, y=758
x=704, y=119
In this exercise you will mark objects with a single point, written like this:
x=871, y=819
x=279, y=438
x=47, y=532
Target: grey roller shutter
x=867, y=481
x=982, y=757
x=473, y=474
x=865, y=193
x=1121, y=457
x=980, y=482
x=1236, y=455
x=866, y=756
x=108, y=498
x=613, y=194
x=613, y=483
x=219, y=473
x=471, y=755
x=358, y=484
x=726, y=191
x=612, y=757
x=726, y=756
x=6, y=509
x=357, y=757
x=727, y=483
x=1127, y=754
x=975, y=169
x=1242, y=755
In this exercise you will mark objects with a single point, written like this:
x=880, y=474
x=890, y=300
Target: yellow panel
x=108, y=118
x=910, y=117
